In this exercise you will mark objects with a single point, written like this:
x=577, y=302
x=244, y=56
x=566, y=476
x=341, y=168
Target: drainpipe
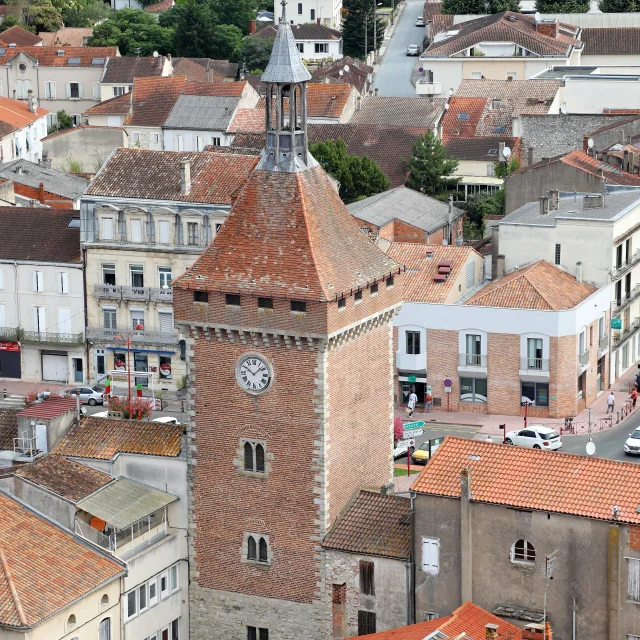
x=411, y=566
x=86, y=316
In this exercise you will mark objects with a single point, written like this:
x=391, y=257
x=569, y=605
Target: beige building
x=140, y=233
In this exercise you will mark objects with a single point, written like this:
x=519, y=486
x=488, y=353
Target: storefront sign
x=119, y=362
x=165, y=370
x=9, y=346
x=413, y=425
x=411, y=378
x=616, y=323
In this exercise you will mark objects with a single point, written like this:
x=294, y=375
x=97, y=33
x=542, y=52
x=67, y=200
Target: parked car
x=632, y=444
x=419, y=21
x=535, y=437
x=400, y=448
x=88, y=395
x=413, y=50
x=167, y=420
x=421, y=454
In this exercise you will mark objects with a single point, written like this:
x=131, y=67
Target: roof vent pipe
x=579, y=271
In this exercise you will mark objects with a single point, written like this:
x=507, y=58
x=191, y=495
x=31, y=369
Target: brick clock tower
x=289, y=316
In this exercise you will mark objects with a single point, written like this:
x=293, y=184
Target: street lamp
x=128, y=342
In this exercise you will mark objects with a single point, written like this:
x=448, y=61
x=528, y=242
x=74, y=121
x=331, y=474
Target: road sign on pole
x=413, y=425
x=447, y=382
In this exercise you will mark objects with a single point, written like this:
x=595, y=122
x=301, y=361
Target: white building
x=327, y=12
x=41, y=296
x=23, y=125
x=315, y=41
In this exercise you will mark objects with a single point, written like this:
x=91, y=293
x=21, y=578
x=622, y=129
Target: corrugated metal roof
x=124, y=502
x=202, y=112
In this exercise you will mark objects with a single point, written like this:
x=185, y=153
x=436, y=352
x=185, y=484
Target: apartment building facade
x=327, y=13
x=139, y=234
x=602, y=232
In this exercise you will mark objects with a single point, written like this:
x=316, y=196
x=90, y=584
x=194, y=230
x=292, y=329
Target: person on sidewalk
x=413, y=398
x=611, y=402
x=634, y=396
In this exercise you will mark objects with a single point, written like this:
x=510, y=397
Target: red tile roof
x=534, y=479
x=123, y=69
x=155, y=175
x=462, y=117
x=43, y=568
x=288, y=234
x=49, y=408
x=357, y=73
x=467, y=621
x=616, y=41
x=408, y=112
x=19, y=36
x=66, y=37
x=49, y=57
x=194, y=72
x=158, y=7
x=537, y=286
x=17, y=114
x=119, y=105
x=248, y=121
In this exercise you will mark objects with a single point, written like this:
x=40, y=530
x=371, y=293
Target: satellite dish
x=506, y=152
x=538, y=17
x=563, y=109
x=446, y=106
x=590, y=143
x=591, y=448
x=341, y=72
x=346, y=68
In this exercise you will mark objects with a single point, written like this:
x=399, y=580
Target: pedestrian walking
x=611, y=402
x=634, y=396
x=413, y=398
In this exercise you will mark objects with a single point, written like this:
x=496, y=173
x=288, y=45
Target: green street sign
x=413, y=425
x=412, y=378
x=616, y=323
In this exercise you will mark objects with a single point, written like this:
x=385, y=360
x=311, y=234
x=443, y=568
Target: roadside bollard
x=4, y=394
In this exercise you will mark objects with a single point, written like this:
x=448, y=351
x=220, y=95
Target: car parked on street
x=88, y=395
x=535, y=437
x=419, y=21
x=400, y=448
x=413, y=50
x=421, y=454
x=632, y=444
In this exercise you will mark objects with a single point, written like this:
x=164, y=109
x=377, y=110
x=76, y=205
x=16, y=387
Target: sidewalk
x=490, y=424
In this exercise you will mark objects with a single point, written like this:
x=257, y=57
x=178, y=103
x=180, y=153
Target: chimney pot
x=252, y=26
x=530, y=155
x=41, y=192
x=579, y=271
x=491, y=631
x=554, y=200
x=544, y=205
x=500, y=267
x=185, y=176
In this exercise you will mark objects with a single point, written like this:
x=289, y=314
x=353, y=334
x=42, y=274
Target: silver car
x=88, y=395
x=413, y=50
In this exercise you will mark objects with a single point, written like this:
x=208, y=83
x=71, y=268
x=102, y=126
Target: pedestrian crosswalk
x=12, y=401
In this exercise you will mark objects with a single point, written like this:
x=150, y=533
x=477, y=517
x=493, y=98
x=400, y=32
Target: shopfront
x=412, y=382
x=160, y=363
x=10, y=366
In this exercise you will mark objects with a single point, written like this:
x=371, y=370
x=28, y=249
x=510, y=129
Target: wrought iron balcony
x=626, y=333
x=622, y=268
x=47, y=337
x=620, y=303
x=583, y=358
x=472, y=360
x=139, y=337
x=534, y=364
x=9, y=333
x=118, y=292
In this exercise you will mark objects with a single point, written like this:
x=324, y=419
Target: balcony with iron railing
x=139, y=337
x=622, y=335
x=120, y=292
x=10, y=334
x=625, y=266
x=473, y=360
x=620, y=303
x=603, y=344
x=51, y=338
x=534, y=364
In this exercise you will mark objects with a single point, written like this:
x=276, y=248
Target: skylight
x=74, y=223
x=498, y=129
x=97, y=61
x=74, y=60
x=463, y=116
x=492, y=152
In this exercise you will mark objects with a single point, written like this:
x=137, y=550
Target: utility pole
x=550, y=563
x=366, y=31
x=375, y=33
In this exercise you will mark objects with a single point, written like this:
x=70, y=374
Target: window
x=179, y=145
x=164, y=277
x=73, y=90
x=431, y=555
x=232, y=299
x=512, y=75
x=51, y=120
x=153, y=592
x=137, y=275
x=473, y=354
x=313, y=15
x=257, y=633
x=164, y=585
x=265, y=303
x=374, y=289
x=523, y=551
x=71, y=622
x=215, y=141
x=262, y=550
x=251, y=549
x=155, y=138
x=257, y=548
x=38, y=281
x=22, y=88
x=298, y=306
x=199, y=143
x=473, y=390
x=135, y=137
x=39, y=319
x=389, y=282
x=366, y=622
x=76, y=118
x=109, y=318
x=104, y=601
x=300, y=46
x=557, y=257
x=321, y=47
x=63, y=282
x=107, y=228
x=413, y=342
x=173, y=578
x=534, y=354
x=491, y=170
x=104, y=629
x=367, y=585
x=299, y=8
x=192, y=233
x=96, y=91
x=50, y=90
x=137, y=318
x=201, y=296
x=164, y=231
x=136, y=230
x=601, y=328
x=476, y=75
x=131, y=605
x=109, y=274
x=342, y=303
x=535, y=393
x=175, y=628
x=119, y=91
x=357, y=297
x=254, y=456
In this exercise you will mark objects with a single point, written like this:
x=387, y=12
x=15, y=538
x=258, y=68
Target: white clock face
x=253, y=373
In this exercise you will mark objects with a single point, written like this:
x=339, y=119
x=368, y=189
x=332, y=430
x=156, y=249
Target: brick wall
x=634, y=537
x=53, y=200
x=503, y=377
x=442, y=362
x=563, y=368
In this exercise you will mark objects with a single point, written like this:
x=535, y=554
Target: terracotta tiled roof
x=277, y=257
x=507, y=27
x=610, y=173
x=19, y=36
x=64, y=477
x=468, y=621
x=406, y=112
x=462, y=117
x=8, y=428
x=49, y=57
x=310, y=31
x=246, y=140
x=223, y=67
x=373, y=524
x=537, y=286
x=194, y=72
x=249, y=120
x=327, y=100
x=418, y=280
x=44, y=568
x=49, y=408
x=480, y=149
x=17, y=114
x=66, y=37
x=158, y=7
x=103, y=438
x=389, y=146
x=534, y=479
x=616, y=41
x=358, y=73
x=119, y=105
x=153, y=98
x=123, y=69
x=155, y=175
x=43, y=235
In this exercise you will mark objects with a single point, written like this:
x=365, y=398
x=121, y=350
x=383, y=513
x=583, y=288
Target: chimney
x=466, y=535
x=579, y=271
x=501, y=157
x=500, y=267
x=554, y=200
x=358, y=103
x=209, y=74
x=317, y=20
x=32, y=102
x=375, y=92
x=450, y=219
x=593, y=202
x=544, y=205
x=530, y=155
x=533, y=631
x=600, y=173
x=252, y=26
x=549, y=28
x=14, y=94
x=605, y=157
x=631, y=167
x=625, y=161
x=491, y=631
x=185, y=176
x=41, y=193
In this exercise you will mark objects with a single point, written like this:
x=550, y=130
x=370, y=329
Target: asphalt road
x=440, y=430
x=394, y=76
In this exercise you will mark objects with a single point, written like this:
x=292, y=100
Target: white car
x=401, y=447
x=632, y=445
x=535, y=437
x=167, y=420
x=413, y=50
x=419, y=21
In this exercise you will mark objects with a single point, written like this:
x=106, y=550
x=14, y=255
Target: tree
x=562, y=6
x=477, y=207
x=42, y=16
x=9, y=21
x=359, y=177
x=429, y=165
x=83, y=14
x=617, y=6
x=503, y=169
x=227, y=39
x=236, y=12
x=454, y=7
x=193, y=29
x=255, y=52
x=496, y=6
x=358, y=14
x=398, y=429
x=63, y=121
x=134, y=32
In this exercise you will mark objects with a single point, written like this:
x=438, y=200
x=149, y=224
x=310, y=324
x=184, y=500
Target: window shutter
x=38, y=281
x=3, y=315
x=166, y=322
x=471, y=274
x=430, y=560
x=68, y=89
x=1, y=279
x=109, y=316
x=633, y=566
x=65, y=282
x=35, y=280
x=80, y=92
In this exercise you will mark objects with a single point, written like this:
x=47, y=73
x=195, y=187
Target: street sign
x=616, y=323
x=447, y=382
x=428, y=389
x=413, y=425
x=413, y=433
x=411, y=378
x=447, y=389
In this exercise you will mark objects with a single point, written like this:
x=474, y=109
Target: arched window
x=71, y=621
x=104, y=601
x=248, y=456
x=259, y=458
x=263, y=550
x=251, y=549
x=104, y=629
x=523, y=551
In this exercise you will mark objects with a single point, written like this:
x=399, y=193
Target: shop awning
x=125, y=502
